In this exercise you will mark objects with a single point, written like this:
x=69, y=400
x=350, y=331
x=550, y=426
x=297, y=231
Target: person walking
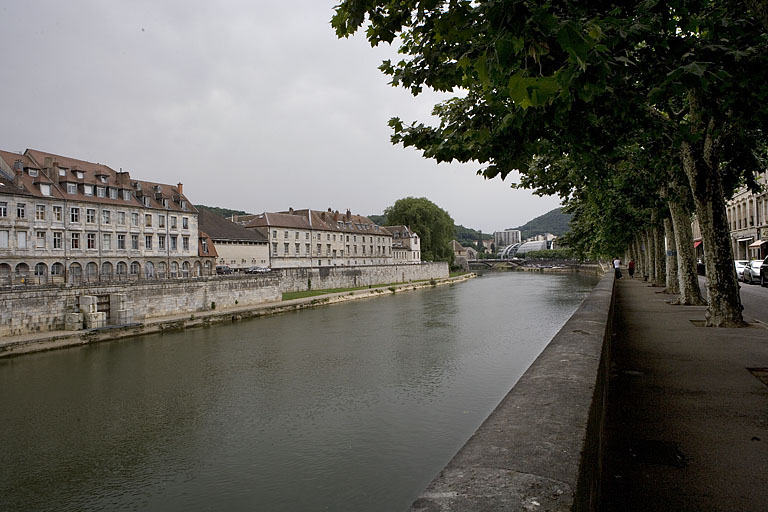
x=631, y=269
x=617, y=267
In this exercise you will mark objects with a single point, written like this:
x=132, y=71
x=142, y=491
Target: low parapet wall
x=324, y=278
x=540, y=449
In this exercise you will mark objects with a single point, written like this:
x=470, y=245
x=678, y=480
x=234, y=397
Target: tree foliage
x=433, y=225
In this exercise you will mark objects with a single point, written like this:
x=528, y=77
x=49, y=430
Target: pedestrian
x=617, y=267
x=631, y=268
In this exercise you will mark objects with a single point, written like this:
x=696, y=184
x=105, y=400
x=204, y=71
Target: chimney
x=290, y=210
x=48, y=161
x=336, y=216
x=349, y=215
x=17, y=178
x=180, y=186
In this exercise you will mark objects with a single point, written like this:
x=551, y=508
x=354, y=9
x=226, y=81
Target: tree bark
x=659, y=272
x=700, y=164
x=673, y=284
x=690, y=292
x=648, y=258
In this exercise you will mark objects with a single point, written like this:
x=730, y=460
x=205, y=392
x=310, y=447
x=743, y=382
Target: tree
x=433, y=225
x=542, y=78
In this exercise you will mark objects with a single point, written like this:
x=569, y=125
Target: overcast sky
x=252, y=104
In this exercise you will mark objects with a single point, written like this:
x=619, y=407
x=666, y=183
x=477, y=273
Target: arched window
x=198, y=269
x=149, y=269
x=208, y=267
x=174, y=269
x=106, y=269
x=91, y=269
x=162, y=270
x=41, y=269
x=22, y=269
x=75, y=272
x=185, y=269
x=135, y=268
x=121, y=269
x=57, y=269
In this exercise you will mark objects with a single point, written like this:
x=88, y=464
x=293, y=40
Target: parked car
x=257, y=270
x=223, y=269
x=751, y=272
x=740, y=264
x=764, y=273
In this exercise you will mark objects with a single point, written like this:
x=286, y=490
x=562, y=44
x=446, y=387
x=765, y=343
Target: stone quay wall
x=325, y=278
x=44, y=308
x=541, y=448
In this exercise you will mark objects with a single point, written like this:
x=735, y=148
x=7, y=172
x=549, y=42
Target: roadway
x=754, y=298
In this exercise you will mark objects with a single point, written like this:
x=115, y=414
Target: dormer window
x=183, y=205
x=88, y=190
x=71, y=188
x=79, y=174
x=32, y=172
x=146, y=201
x=103, y=178
x=113, y=193
x=45, y=189
x=101, y=191
x=127, y=195
x=62, y=172
x=165, y=203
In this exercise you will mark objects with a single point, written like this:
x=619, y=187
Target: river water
x=350, y=407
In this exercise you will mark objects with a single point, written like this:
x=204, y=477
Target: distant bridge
x=495, y=263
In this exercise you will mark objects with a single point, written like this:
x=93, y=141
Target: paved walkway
x=687, y=422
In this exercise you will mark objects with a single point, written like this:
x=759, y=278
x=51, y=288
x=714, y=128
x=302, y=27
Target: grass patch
x=457, y=274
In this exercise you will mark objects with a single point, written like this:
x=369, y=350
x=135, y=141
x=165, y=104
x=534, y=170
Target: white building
x=406, y=245
x=506, y=237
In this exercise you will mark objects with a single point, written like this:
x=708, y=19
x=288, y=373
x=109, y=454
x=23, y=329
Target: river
x=349, y=407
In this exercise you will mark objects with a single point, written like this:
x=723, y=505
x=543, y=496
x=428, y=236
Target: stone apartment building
x=406, y=245
x=748, y=220
x=313, y=238
x=67, y=220
x=506, y=237
x=237, y=247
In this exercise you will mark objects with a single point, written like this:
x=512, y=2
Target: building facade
x=312, y=238
x=237, y=247
x=748, y=221
x=406, y=245
x=506, y=237
x=69, y=220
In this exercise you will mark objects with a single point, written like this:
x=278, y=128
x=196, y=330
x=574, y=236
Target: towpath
x=687, y=420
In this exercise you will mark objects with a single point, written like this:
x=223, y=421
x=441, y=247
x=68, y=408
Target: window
x=20, y=210
x=185, y=243
x=45, y=189
x=21, y=239
x=319, y=249
x=57, y=269
x=106, y=216
x=298, y=249
x=148, y=242
x=32, y=172
x=57, y=237
x=127, y=196
x=146, y=200
x=285, y=235
x=88, y=190
x=106, y=241
x=174, y=245
x=306, y=237
x=121, y=242
x=161, y=221
x=74, y=241
x=40, y=240
x=134, y=219
x=204, y=243
x=3, y=209
x=306, y=248
x=173, y=222
x=101, y=191
x=3, y=239
x=121, y=218
x=90, y=241
x=328, y=249
x=74, y=214
x=79, y=174
x=274, y=233
x=72, y=188
x=274, y=247
x=166, y=204
x=40, y=212
x=148, y=220
x=113, y=193
x=161, y=241
x=185, y=223
x=297, y=235
x=90, y=215
x=285, y=249
x=135, y=242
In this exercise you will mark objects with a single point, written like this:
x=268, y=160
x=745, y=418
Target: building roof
x=219, y=229
x=317, y=220
x=57, y=171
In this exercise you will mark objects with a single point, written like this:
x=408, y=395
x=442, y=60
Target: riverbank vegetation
x=313, y=293
x=637, y=115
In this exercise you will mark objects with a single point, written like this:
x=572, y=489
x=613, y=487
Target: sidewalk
x=687, y=422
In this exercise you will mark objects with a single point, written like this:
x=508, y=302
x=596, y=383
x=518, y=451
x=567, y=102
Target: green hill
x=223, y=212
x=555, y=222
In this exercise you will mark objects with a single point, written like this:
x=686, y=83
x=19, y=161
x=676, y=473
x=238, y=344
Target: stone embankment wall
x=541, y=448
x=324, y=278
x=44, y=308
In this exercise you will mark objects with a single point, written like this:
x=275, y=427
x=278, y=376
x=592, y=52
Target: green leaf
x=571, y=40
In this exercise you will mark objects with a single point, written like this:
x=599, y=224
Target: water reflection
x=348, y=407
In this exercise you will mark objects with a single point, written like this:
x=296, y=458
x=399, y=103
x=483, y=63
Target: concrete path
x=687, y=423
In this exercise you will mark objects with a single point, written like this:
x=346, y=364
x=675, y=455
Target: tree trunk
x=690, y=292
x=650, y=252
x=659, y=272
x=673, y=284
x=700, y=164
